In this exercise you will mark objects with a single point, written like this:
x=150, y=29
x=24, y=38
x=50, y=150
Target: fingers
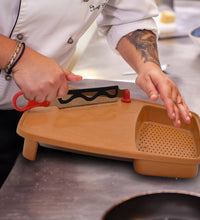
x=183, y=109
x=49, y=87
x=155, y=84
x=175, y=105
x=62, y=91
x=57, y=91
x=176, y=119
x=169, y=98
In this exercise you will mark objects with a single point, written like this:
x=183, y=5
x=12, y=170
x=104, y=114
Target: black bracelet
x=8, y=74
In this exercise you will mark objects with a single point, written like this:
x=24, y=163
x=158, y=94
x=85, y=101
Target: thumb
x=72, y=77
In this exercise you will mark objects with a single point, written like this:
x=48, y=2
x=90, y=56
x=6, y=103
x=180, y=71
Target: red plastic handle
x=31, y=104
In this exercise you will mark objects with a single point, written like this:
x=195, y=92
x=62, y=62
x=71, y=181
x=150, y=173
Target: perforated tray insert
x=166, y=140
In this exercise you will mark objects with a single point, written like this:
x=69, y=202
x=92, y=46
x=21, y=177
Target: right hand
x=41, y=78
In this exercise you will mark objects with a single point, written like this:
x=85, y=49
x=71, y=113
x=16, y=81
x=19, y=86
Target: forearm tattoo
x=145, y=42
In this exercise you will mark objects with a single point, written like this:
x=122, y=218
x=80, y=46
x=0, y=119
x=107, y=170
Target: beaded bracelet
x=12, y=62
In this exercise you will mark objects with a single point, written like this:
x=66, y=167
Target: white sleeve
x=120, y=17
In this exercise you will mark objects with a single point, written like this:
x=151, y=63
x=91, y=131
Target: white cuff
x=116, y=32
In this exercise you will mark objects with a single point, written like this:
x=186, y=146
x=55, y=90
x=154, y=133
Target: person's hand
x=156, y=83
x=41, y=78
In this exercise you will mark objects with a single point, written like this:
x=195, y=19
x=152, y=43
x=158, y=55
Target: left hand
x=41, y=78
x=155, y=83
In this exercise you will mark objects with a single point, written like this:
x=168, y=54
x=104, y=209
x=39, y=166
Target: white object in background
x=166, y=22
x=194, y=34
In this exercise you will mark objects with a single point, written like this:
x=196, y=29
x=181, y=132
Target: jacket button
x=20, y=36
x=70, y=41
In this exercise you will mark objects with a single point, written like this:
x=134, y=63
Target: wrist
x=7, y=47
x=15, y=57
x=148, y=68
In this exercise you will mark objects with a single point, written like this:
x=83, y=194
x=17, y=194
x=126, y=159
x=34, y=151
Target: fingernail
x=153, y=97
x=173, y=115
x=179, y=122
x=190, y=114
x=188, y=118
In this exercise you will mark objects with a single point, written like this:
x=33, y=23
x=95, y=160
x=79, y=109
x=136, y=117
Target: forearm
x=7, y=46
x=139, y=49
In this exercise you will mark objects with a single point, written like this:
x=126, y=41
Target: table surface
x=66, y=185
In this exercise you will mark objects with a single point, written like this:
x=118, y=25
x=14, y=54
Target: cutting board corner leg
x=30, y=149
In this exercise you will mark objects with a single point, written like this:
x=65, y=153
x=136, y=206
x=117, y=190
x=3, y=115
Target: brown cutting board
x=139, y=131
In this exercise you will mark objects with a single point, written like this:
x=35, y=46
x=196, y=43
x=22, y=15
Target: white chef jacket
x=53, y=28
